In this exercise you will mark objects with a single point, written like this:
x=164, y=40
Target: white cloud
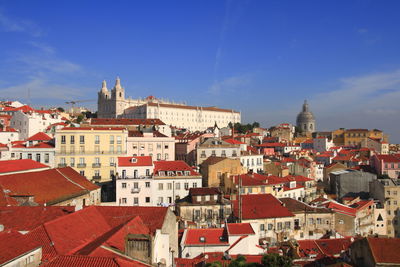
x=40, y=88
x=230, y=84
x=43, y=47
x=9, y=24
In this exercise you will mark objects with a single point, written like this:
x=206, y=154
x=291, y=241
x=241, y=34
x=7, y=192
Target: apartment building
x=216, y=148
x=93, y=152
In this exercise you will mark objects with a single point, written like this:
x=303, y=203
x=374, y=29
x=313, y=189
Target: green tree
x=60, y=109
x=240, y=261
x=80, y=118
x=276, y=260
x=214, y=264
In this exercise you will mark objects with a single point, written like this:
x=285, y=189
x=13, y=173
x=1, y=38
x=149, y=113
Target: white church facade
x=113, y=104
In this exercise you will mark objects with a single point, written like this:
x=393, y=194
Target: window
x=97, y=139
x=341, y=222
x=38, y=157
x=123, y=185
x=82, y=149
x=81, y=139
x=29, y=156
x=46, y=158
x=169, y=186
x=178, y=186
x=158, y=145
x=187, y=186
x=119, y=139
x=158, y=156
x=160, y=186
x=72, y=149
x=147, y=184
x=82, y=173
x=279, y=226
x=119, y=149
x=135, y=201
x=147, y=172
x=194, y=185
x=166, y=156
x=111, y=139
x=62, y=139
x=166, y=146
x=270, y=226
x=262, y=227
x=160, y=200
x=72, y=162
x=319, y=221
x=287, y=225
x=150, y=147
x=147, y=200
x=141, y=146
x=72, y=139
x=81, y=160
x=124, y=200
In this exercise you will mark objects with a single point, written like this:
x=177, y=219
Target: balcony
x=97, y=142
x=62, y=165
x=96, y=165
x=81, y=165
x=135, y=190
x=72, y=164
x=96, y=177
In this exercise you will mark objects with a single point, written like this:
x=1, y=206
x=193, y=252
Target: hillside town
x=152, y=182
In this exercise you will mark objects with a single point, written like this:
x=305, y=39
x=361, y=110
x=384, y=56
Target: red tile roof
x=260, y=206
x=212, y=236
x=240, y=229
x=340, y=208
x=19, y=165
x=102, y=121
x=92, y=129
x=48, y=186
x=8, y=129
x=234, y=141
x=388, y=158
x=177, y=165
x=85, y=261
x=135, y=161
x=13, y=245
x=27, y=218
x=40, y=136
x=385, y=250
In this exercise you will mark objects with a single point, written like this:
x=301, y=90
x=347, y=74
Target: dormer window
x=187, y=173
x=171, y=173
x=133, y=160
x=161, y=173
x=178, y=172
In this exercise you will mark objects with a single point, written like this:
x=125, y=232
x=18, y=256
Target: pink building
x=386, y=164
x=186, y=144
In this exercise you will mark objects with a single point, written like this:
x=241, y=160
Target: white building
x=150, y=143
x=216, y=148
x=8, y=135
x=32, y=122
x=38, y=147
x=143, y=182
x=234, y=239
x=252, y=161
x=113, y=104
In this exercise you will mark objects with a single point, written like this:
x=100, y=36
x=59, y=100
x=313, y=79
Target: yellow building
x=358, y=136
x=214, y=169
x=93, y=152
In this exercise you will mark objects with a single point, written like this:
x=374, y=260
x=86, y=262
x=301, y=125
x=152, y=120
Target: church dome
x=305, y=119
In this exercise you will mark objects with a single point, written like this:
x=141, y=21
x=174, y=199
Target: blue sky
x=260, y=57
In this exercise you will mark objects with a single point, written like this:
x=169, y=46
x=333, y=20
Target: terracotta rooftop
x=177, y=165
x=240, y=229
x=260, y=206
x=48, y=186
x=203, y=191
x=13, y=245
x=203, y=237
x=40, y=136
x=102, y=121
x=385, y=250
x=20, y=165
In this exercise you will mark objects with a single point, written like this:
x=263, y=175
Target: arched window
x=311, y=127
x=120, y=94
